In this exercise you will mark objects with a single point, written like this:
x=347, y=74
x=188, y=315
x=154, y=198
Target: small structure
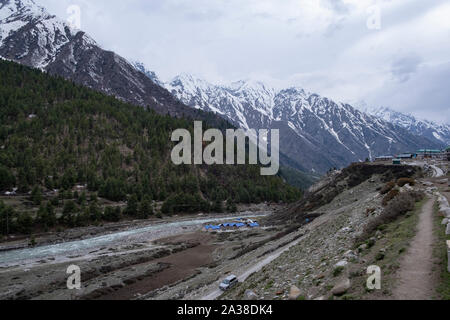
x=405, y=156
x=430, y=154
x=384, y=158
x=397, y=161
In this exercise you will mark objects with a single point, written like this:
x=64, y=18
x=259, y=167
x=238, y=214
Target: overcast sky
x=392, y=53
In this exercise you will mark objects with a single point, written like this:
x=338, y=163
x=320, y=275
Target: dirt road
x=257, y=266
x=416, y=279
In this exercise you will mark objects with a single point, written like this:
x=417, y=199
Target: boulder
x=295, y=293
x=445, y=221
x=445, y=212
x=448, y=255
x=362, y=247
x=350, y=255
x=408, y=187
x=341, y=287
x=342, y=263
x=447, y=231
x=443, y=202
x=250, y=295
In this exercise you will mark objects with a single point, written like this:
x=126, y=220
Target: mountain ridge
x=31, y=36
x=311, y=124
x=430, y=129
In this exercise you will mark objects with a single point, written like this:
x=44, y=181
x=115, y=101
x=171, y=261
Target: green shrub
x=337, y=271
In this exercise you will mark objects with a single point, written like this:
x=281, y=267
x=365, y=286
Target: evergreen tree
x=36, y=195
x=145, y=209
x=132, y=206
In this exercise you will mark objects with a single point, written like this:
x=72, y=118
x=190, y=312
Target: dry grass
x=399, y=206
x=388, y=187
x=404, y=181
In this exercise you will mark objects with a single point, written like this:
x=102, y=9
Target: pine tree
x=132, y=206
x=36, y=195
x=145, y=209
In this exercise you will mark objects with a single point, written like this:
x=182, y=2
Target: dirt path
x=416, y=279
x=257, y=266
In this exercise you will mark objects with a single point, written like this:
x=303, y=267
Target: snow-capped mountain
x=150, y=74
x=433, y=131
x=31, y=36
x=316, y=132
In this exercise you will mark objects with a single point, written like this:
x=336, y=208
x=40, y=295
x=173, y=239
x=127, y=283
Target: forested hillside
x=62, y=145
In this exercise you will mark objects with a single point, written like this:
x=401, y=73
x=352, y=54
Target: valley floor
x=319, y=259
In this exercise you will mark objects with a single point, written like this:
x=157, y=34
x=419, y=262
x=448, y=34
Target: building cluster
x=420, y=154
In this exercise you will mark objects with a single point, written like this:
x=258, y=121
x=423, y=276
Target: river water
x=83, y=247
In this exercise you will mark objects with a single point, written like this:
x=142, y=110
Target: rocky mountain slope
x=315, y=131
x=439, y=133
x=31, y=36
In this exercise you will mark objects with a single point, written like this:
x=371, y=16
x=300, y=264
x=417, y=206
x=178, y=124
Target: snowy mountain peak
x=150, y=74
x=431, y=130
x=316, y=131
x=29, y=34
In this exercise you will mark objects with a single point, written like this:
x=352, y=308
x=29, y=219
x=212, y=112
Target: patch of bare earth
x=182, y=265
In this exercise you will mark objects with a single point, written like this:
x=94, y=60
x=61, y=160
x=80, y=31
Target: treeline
x=57, y=135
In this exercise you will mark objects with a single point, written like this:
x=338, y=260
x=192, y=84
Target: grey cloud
x=224, y=40
x=337, y=6
x=403, y=68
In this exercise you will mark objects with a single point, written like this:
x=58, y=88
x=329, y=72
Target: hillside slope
x=31, y=36
x=57, y=135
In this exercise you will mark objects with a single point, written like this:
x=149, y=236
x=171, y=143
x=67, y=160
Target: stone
x=320, y=276
x=408, y=187
x=341, y=287
x=295, y=293
x=427, y=184
x=447, y=231
x=350, y=255
x=443, y=202
x=250, y=295
x=445, y=212
x=362, y=247
x=342, y=263
x=320, y=298
x=445, y=221
x=448, y=255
